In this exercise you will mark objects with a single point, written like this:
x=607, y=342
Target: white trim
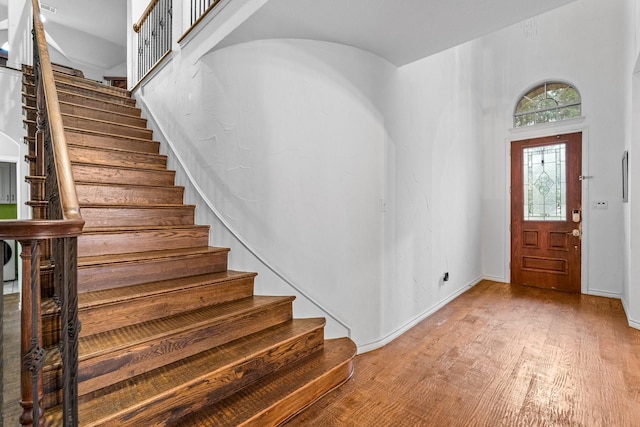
x=417, y=319
x=632, y=323
x=548, y=126
x=541, y=131
x=605, y=294
x=495, y=279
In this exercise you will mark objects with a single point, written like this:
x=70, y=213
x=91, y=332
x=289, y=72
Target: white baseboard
x=632, y=323
x=495, y=279
x=606, y=294
x=411, y=323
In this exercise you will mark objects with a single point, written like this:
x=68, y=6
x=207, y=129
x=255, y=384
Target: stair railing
x=199, y=8
x=48, y=242
x=154, y=29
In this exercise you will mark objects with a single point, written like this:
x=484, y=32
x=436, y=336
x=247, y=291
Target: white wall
x=578, y=43
x=355, y=185
x=286, y=140
x=351, y=180
x=631, y=291
x=434, y=186
x=96, y=57
x=11, y=132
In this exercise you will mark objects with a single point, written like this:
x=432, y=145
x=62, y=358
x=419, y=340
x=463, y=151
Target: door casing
x=540, y=131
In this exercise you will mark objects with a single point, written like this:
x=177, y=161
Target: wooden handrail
x=66, y=185
x=145, y=15
x=39, y=229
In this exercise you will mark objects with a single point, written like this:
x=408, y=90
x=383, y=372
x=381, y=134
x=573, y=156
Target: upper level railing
x=51, y=241
x=199, y=8
x=154, y=29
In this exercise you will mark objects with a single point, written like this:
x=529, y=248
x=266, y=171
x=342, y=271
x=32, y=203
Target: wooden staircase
x=169, y=335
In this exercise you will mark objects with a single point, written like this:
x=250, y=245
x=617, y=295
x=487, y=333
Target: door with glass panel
x=546, y=212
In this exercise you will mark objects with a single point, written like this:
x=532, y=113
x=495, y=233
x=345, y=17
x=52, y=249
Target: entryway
x=546, y=212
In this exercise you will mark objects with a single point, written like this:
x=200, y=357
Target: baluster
x=33, y=355
x=70, y=329
x=169, y=26
x=193, y=11
x=154, y=36
x=147, y=35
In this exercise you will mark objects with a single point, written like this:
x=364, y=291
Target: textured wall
x=350, y=179
x=581, y=43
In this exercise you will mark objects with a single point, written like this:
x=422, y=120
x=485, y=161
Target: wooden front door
x=546, y=212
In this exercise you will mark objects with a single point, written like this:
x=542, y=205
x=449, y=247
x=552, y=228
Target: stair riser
x=98, y=141
x=80, y=82
x=106, y=127
x=158, y=306
x=117, y=366
x=70, y=109
x=116, y=158
x=303, y=397
x=93, y=244
x=29, y=89
x=213, y=387
x=97, y=103
x=89, y=194
x=77, y=110
x=98, y=277
x=110, y=175
x=132, y=217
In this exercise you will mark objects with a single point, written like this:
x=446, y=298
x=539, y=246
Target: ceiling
x=105, y=19
x=401, y=31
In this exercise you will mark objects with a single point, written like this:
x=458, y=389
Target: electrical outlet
x=601, y=204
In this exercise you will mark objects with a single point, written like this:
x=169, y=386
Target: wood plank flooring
x=11, y=409
x=499, y=355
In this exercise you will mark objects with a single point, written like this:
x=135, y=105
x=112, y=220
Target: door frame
x=541, y=131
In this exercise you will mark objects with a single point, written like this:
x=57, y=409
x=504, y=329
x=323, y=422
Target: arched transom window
x=549, y=102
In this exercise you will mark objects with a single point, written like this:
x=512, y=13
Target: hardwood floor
x=499, y=355
x=11, y=409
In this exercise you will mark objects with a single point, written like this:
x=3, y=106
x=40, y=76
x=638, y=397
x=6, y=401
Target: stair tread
x=88, y=83
x=97, y=89
x=130, y=186
x=130, y=206
x=261, y=397
x=135, y=113
x=172, y=379
x=106, y=134
x=100, y=110
x=128, y=168
x=123, y=125
x=115, y=230
x=119, y=150
x=107, y=342
x=148, y=255
x=114, y=295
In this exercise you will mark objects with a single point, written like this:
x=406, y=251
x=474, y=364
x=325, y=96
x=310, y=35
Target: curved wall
x=336, y=175
x=286, y=139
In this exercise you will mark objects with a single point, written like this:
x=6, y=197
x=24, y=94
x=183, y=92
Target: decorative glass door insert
x=545, y=183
